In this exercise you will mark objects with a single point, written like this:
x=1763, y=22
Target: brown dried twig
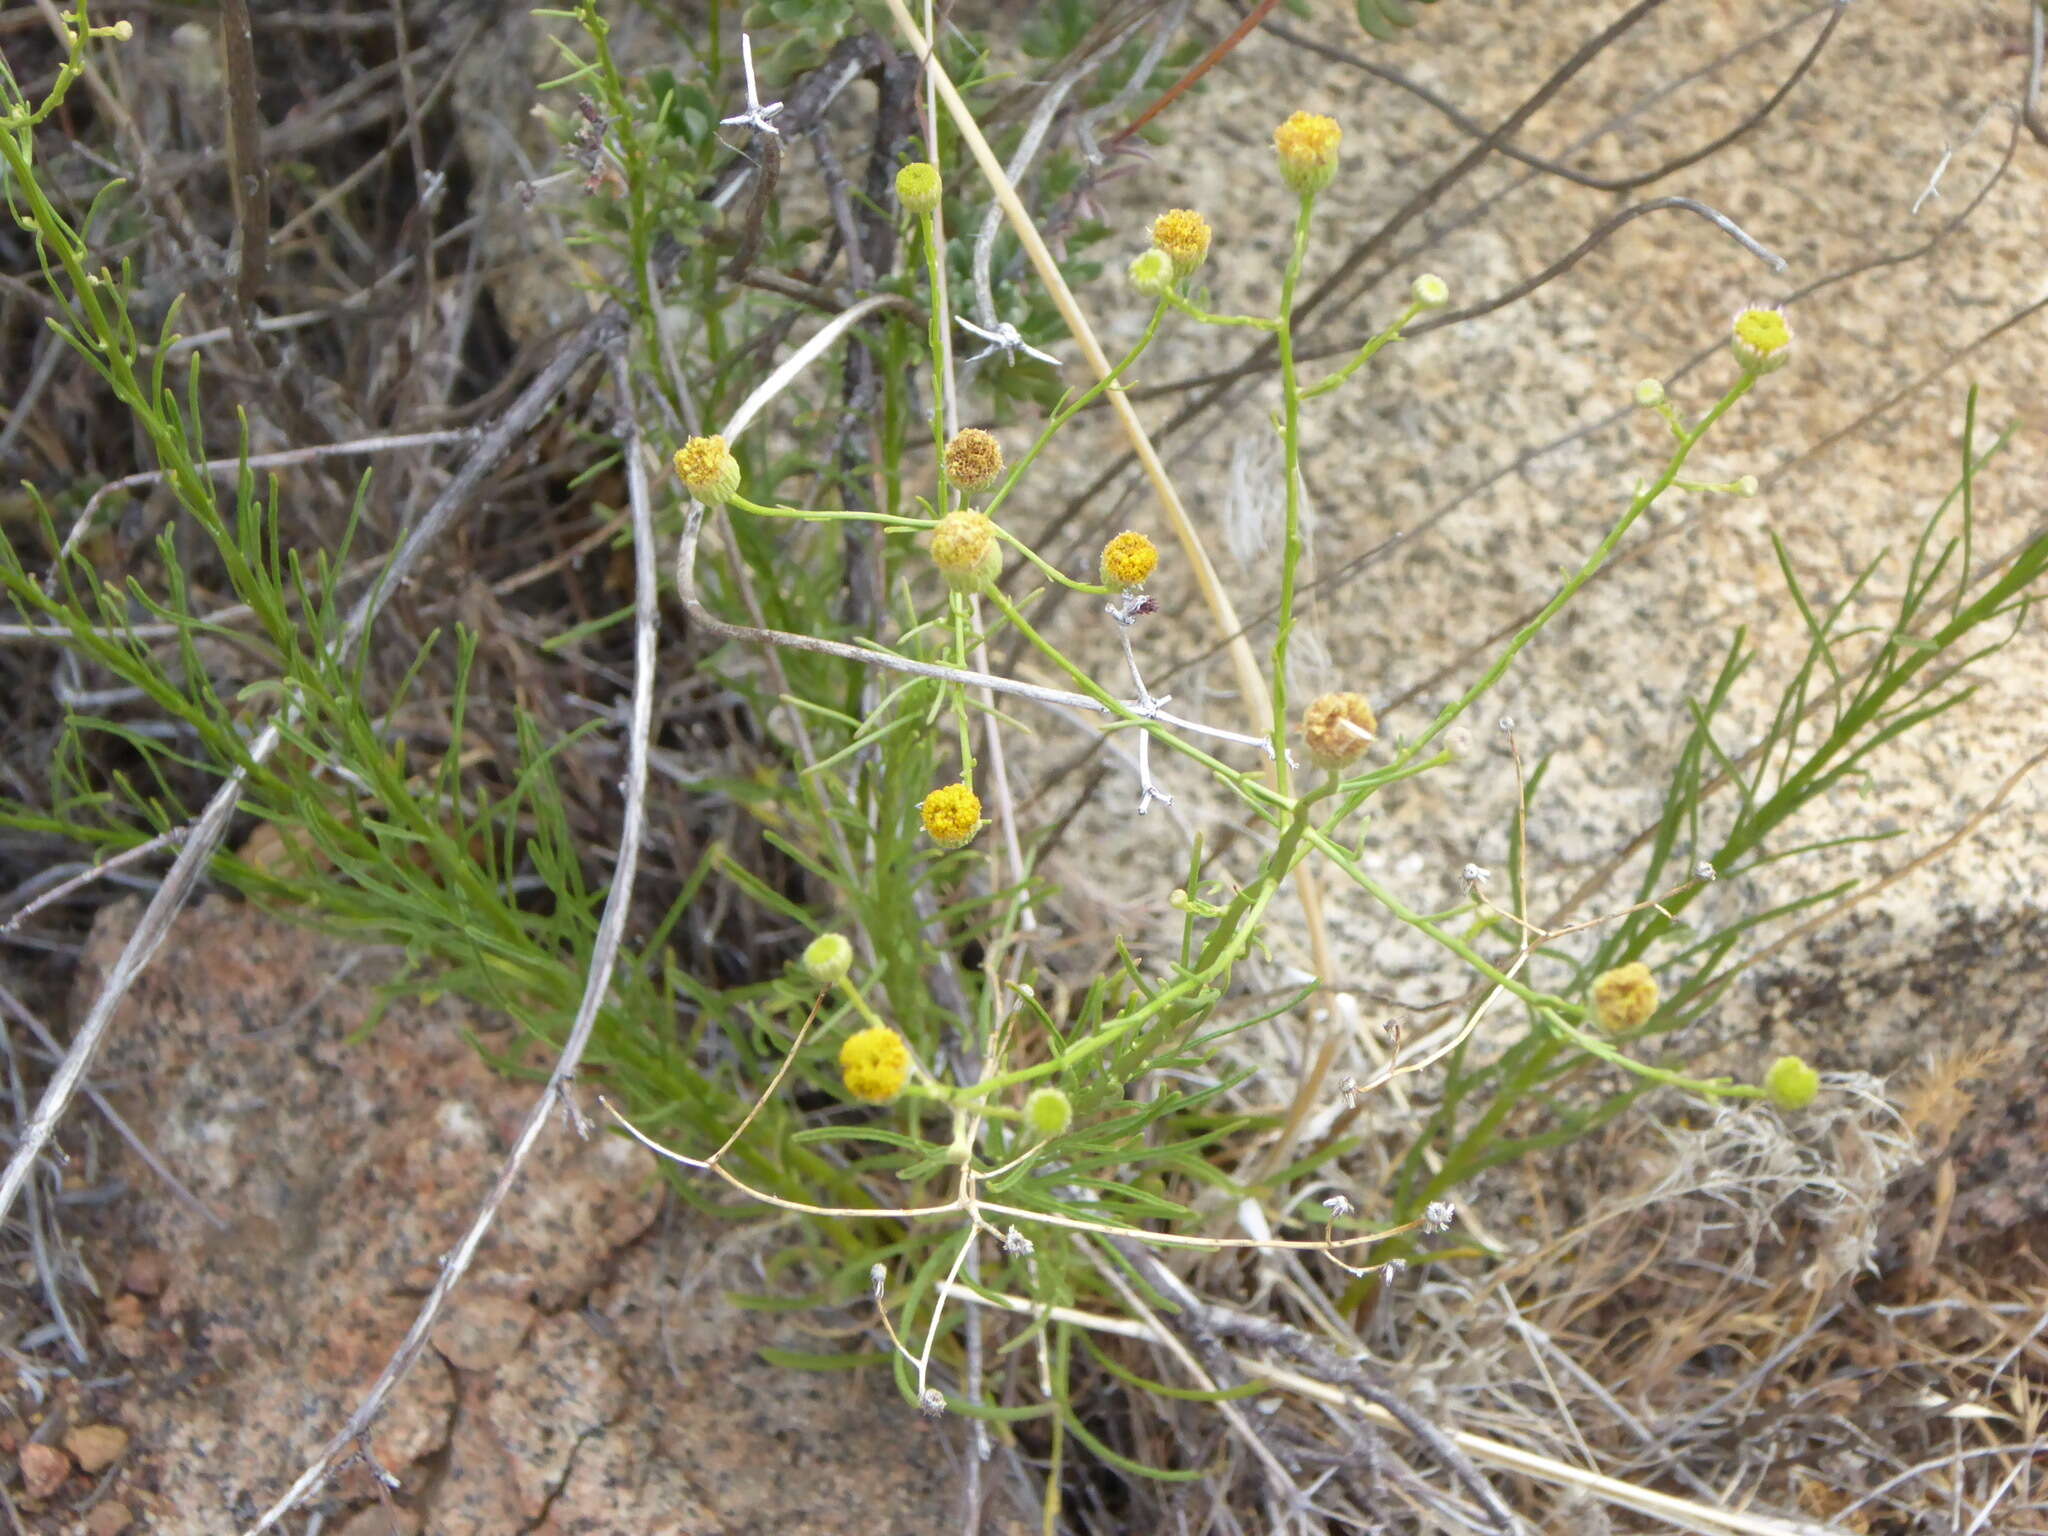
x=247, y=175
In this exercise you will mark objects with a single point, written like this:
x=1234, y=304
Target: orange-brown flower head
x=1339, y=728
x=952, y=815
x=1183, y=235
x=1307, y=145
x=708, y=468
x=1128, y=559
x=974, y=459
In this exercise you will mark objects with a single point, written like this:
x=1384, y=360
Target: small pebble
x=146, y=1272
x=96, y=1446
x=43, y=1470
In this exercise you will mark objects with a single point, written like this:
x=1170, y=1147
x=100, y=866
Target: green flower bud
x=1152, y=273
x=1048, y=1112
x=1430, y=291
x=918, y=187
x=828, y=959
x=1791, y=1083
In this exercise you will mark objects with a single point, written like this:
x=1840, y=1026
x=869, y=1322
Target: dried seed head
x=1151, y=273
x=931, y=1403
x=1128, y=559
x=918, y=188
x=1472, y=877
x=1624, y=998
x=1048, y=1112
x=1338, y=728
x=1016, y=1244
x=974, y=459
x=1183, y=235
x=1307, y=145
x=1791, y=1083
x=1339, y=1206
x=1704, y=871
x=875, y=1064
x=828, y=958
x=1761, y=340
x=1439, y=1216
x=952, y=815
x=878, y=1279
x=710, y=471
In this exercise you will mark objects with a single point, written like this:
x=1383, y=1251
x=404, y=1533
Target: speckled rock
x=1461, y=473
x=569, y=1388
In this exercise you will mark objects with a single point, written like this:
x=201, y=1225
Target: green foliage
x=1387, y=19
x=483, y=884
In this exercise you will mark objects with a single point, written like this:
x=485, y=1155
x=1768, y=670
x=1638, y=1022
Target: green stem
x=1638, y=505
x=1066, y=410
x=1290, y=560
x=936, y=341
x=962, y=656
x=1255, y=791
x=1204, y=317
x=1366, y=353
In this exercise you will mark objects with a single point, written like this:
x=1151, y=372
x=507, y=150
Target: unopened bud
x=828, y=959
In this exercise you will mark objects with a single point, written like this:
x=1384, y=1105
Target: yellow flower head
x=965, y=550
x=1791, y=1083
x=1339, y=728
x=875, y=1064
x=974, y=459
x=1308, y=151
x=961, y=540
x=710, y=471
x=1183, y=235
x=1762, y=340
x=952, y=815
x=1128, y=559
x=918, y=187
x=1624, y=998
